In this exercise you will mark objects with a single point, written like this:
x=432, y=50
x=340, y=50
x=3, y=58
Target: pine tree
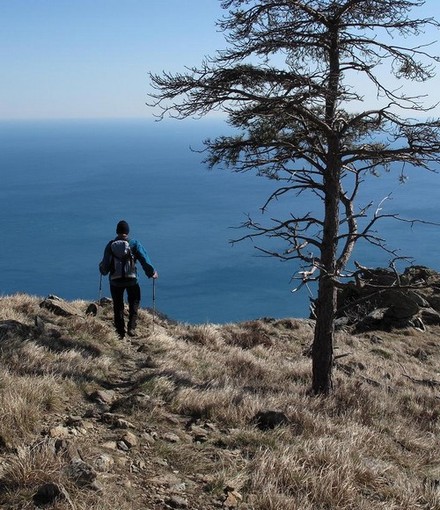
x=287, y=83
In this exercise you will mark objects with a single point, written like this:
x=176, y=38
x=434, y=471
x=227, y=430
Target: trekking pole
x=154, y=300
x=100, y=289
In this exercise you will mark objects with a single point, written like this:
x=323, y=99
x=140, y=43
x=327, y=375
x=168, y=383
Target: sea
x=66, y=183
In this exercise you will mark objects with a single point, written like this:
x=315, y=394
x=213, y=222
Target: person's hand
x=155, y=276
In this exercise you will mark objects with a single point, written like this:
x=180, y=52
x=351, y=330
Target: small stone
x=120, y=423
x=59, y=432
x=171, y=438
x=200, y=435
x=83, y=474
x=176, y=502
x=96, y=486
x=141, y=464
x=130, y=439
x=92, y=309
x=232, y=500
x=123, y=446
x=103, y=396
x=121, y=460
x=110, y=445
x=148, y=438
x=104, y=463
x=420, y=354
x=178, y=487
x=73, y=421
x=116, y=421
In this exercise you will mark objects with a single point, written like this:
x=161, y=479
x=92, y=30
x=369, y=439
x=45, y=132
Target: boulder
x=59, y=307
x=382, y=299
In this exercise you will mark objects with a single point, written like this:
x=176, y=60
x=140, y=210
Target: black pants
x=134, y=299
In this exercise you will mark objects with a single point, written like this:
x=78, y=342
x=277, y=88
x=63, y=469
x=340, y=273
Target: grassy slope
x=189, y=394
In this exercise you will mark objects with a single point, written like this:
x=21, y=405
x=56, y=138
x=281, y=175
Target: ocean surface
x=65, y=184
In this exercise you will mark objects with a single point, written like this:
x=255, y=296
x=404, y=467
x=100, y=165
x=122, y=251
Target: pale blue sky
x=90, y=58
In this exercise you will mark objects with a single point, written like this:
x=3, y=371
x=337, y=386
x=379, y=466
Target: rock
x=48, y=494
x=420, y=354
x=66, y=448
x=403, y=305
x=199, y=434
x=92, y=309
x=73, y=421
x=82, y=473
x=104, y=463
x=141, y=464
x=120, y=423
x=266, y=420
x=129, y=439
x=148, y=438
x=110, y=445
x=116, y=421
x=96, y=486
x=430, y=316
x=176, y=502
x=122, y=446
x=39, y=324
x=372, y=321
x=59, y=307
x=103, y=396
x=171, y=438
x=59, y=432
x=232, y=500
x=434, y=302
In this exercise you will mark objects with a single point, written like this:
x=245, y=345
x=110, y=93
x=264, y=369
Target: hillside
x=177, y=417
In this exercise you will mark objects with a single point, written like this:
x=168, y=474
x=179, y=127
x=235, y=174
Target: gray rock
x=104, y=463
x=103, y=396
x=59, y=307
x=81, y=473
x=176, y=502
x=171, y=438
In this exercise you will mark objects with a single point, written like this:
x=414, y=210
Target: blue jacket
x=139, y=254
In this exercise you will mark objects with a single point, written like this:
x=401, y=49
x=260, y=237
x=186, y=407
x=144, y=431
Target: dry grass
x=373, y=444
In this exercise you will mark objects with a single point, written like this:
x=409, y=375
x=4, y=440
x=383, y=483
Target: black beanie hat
x=122, y=227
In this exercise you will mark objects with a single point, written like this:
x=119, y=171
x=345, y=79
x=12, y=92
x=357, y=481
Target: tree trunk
x=322, y=351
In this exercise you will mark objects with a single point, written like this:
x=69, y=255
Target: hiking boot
x=131, y=332
x=121, y=334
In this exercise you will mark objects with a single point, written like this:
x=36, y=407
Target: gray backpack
x=123, y=262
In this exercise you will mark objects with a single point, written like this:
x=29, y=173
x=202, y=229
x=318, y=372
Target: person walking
x=119, y=261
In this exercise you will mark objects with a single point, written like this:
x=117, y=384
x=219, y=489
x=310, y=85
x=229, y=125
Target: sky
x=91, y=58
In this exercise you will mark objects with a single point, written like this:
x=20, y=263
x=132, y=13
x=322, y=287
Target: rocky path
x=123, y=439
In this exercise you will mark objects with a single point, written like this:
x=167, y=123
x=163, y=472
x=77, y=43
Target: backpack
x=123, y=264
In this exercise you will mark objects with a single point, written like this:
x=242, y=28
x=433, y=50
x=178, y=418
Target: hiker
x=120, y=257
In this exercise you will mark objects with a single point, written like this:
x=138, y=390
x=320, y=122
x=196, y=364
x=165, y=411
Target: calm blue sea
x=65, y=184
